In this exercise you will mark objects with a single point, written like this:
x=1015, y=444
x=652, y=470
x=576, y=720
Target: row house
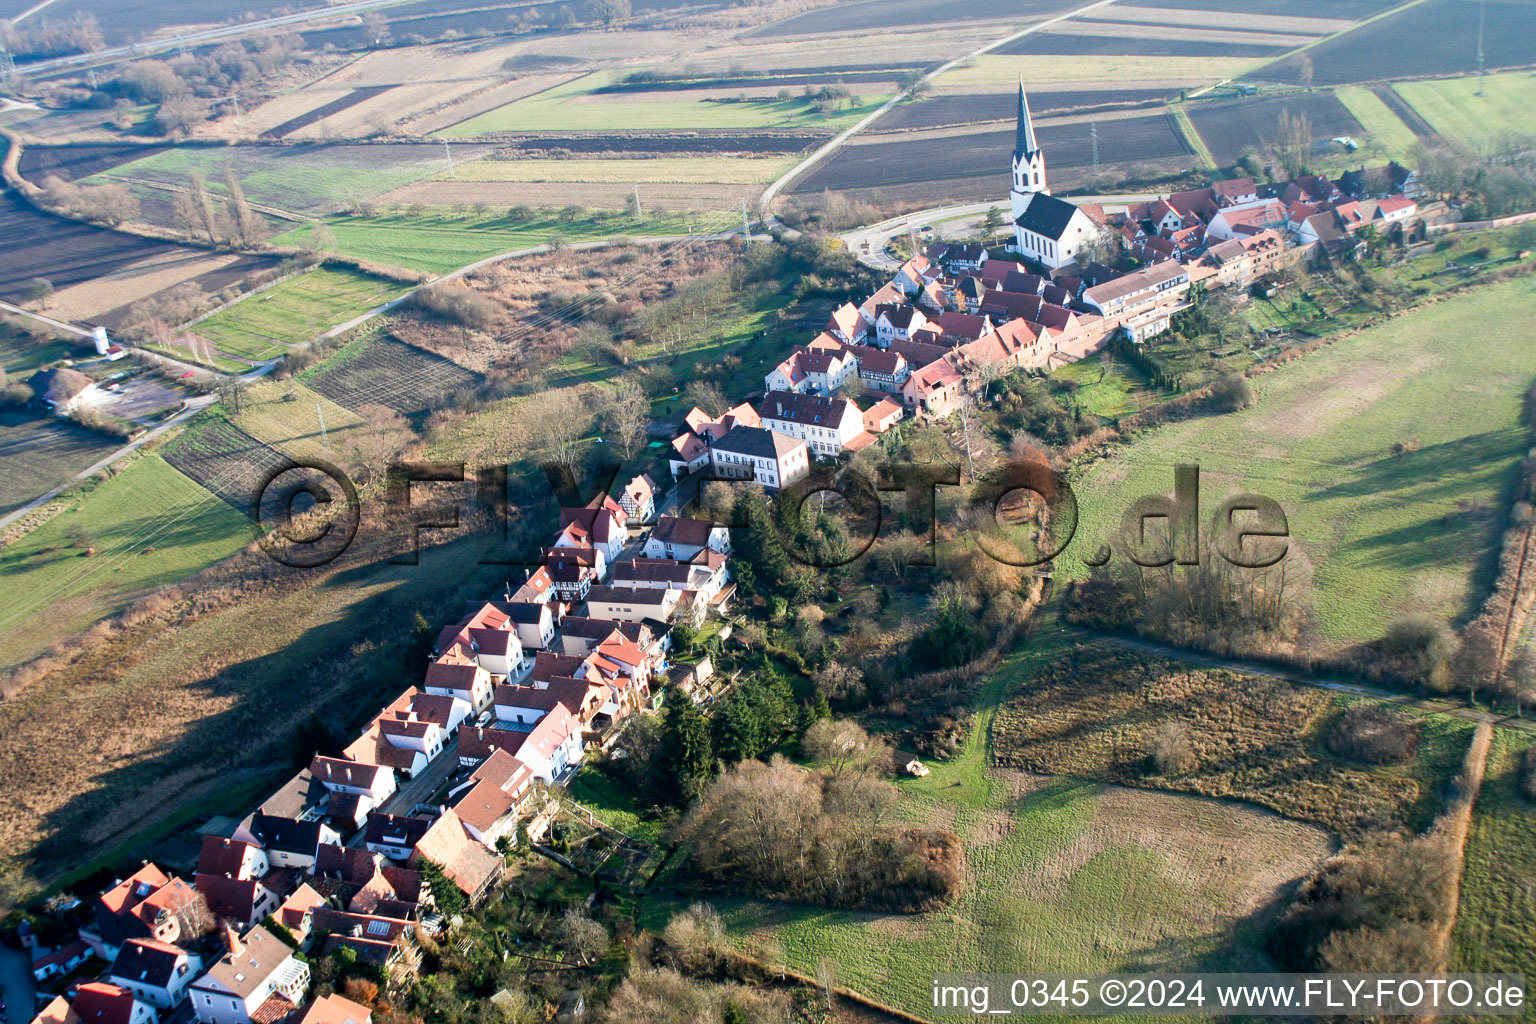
x=772, y=459
x=690, y=449
x=883, y=370
x=600, y=524
x=258, y=979
x=394, y=835
x=1142, y=302
x=827, y=425
x=496, y=795
x=686, y=539
x=156, y=973
x=897, y=322
x=469, y=866
x=631, y=604
x=846, y=325
x=706, y=578
x=638, y=498
x=819, y=370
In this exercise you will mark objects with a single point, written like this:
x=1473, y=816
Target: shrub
x=1375, y=734
x=1170, y=750
x=1231, y=393
x=456, y=303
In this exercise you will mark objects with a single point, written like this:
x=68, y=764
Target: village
x=357, y=854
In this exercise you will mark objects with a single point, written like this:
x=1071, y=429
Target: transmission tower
x=1093, y=132
x=7, y=67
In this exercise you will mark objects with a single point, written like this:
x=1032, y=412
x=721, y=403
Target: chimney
x=232, y=941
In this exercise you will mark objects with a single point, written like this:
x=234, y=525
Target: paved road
x=424, y=785
x=1258, y=668
x=963, y=218
x=16, y=989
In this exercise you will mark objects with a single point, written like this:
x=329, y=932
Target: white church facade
x=1046, y=229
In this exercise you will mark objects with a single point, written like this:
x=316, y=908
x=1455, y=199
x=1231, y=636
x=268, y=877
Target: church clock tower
x=1028, y=160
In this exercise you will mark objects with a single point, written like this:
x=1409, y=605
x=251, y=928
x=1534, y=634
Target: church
x=1049, y=230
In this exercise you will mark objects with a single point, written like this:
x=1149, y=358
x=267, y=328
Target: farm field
x=974, y=165
x=611, y=196
x=265, y=325
x=75, y=162
x=967, y=108
x=63, y=251
x=1231, y=128
x=1444, y=34
x=1070, y=40
x=1091, y=714
x=303, y=179
x=1353, y=10
x=683, y=169
x=123, y=21
x=297, y=420
x=1497, y=915
x=1381, y=534
x=1456, y=111
x=1384, y=129
x=22, y=352
x=574, y=106
x=151, y=527
x=383, y=371
x=437, y=241
x=1058, y=69
x=42, y=452
x=871, y=15
x=229, y=463
x=1062, y=874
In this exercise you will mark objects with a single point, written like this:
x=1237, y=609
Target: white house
x=686, y=539
x=488, y=637
x=343, y=776
x=897, y=323
x=156, y=972
x=455, y=675
x=100, y=1002
x=257, y=977
x=599, y=525
x=553, y=746
x=630, y=604
x=827, y=425
x=883, y=370
x=394, y=835
x=772, y=459
x=639, y=498
x=534, y=622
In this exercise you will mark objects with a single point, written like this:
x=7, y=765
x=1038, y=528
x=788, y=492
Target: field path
x=1259, y=668
x=828, y=148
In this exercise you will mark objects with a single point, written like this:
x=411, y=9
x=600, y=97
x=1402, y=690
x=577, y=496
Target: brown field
x=597, y=195
x=1093, y=715
x=1110, y=25
x=1244, y=21
x=105, y=299
x=284, y=108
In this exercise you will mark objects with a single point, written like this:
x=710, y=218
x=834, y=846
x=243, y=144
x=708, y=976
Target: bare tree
x=376, y=25
x=706, y=394
x=556, y=427
x=383, y=436
x=581, y=935
x=629, y=417
x=1293, y=142
x=839, y=681
x=248, y=228
x=841, y=748
x=201, y=214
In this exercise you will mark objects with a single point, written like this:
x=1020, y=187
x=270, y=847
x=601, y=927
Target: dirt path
x=1455, y=824
x=1256, y=668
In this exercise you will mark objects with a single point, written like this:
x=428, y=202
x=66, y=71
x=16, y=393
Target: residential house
x=599, y=524
x=457, y=674
x=289, y=842
x=957, y=257
x=112, y=921
x=58, y=1011
x=817, y=370
x=686, y=539
x=486, y=636
x=706, y=577
x=498, y=793
x=913, y=274
x=157, y=973
x=63, y=391
x=897, y=322
x=1143, y=302
x=826, y=425
x=535, y=624
x=100, y=1002
x=476, y=743
x=883, y=369
x=1394, y=209
x=378, y=938
x=340, y=775
x=55, y=963
x=465, y=863
x=1235, y=191
x=882, y=416
x=334, y=1009
x=1248, y=219
x=394, y=835
x=772, y=459
x=298, y=912
x=935, y=390
x=639, y=498
x=554, y=745
x=846, y=325
x=631, y=605
x=256, y=981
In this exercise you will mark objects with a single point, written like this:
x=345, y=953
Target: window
x=378, y=927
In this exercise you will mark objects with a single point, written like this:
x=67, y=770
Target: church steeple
x=1024, y=134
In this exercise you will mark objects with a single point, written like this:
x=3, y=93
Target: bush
x=1231, y=393
x=1528, y=774
x=1171, y=751
x=1375, y=734
x=456, y=303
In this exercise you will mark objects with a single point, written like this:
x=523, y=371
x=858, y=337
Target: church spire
x=1024, y=134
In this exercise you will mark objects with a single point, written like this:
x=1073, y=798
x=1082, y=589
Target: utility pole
x=746, y=223
x=1093, y=132
x=1482, y=69
x=8, y=66
x=324, y=438
x=91, y=74
x=639, y=212
x=237, y=112
x=448, y=155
